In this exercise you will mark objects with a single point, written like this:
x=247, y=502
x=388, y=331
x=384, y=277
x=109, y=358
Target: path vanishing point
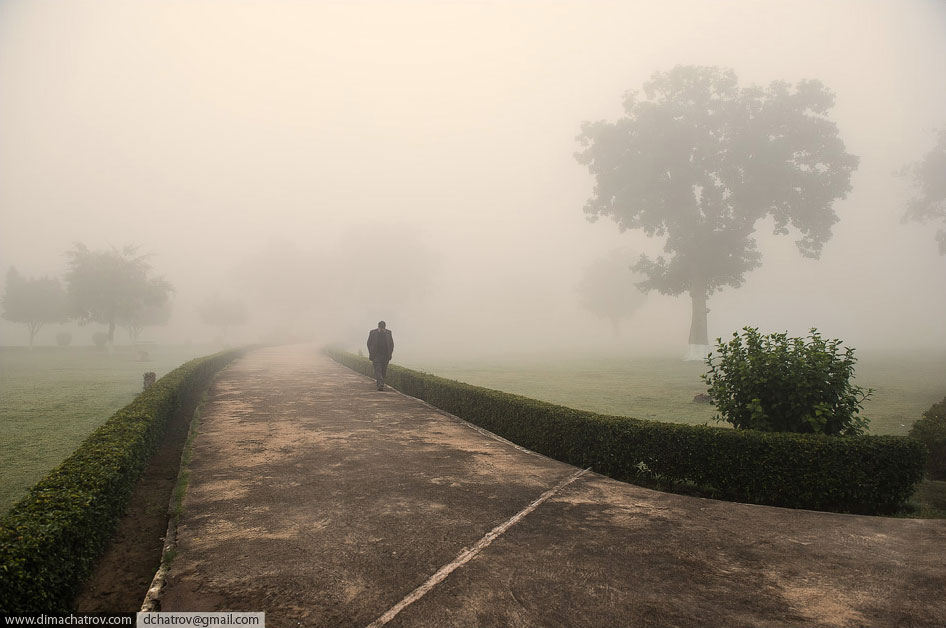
x=323, y=502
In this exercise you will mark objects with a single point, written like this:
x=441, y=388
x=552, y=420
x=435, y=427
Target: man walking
x=380, y=349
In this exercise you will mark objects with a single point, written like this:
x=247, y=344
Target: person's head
x=381, y=325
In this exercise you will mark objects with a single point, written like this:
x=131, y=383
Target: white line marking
x=468, y=554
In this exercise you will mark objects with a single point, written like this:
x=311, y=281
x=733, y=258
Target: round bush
x=779, y=384
x=931, y=431
x=99, y=339
x=63, y=338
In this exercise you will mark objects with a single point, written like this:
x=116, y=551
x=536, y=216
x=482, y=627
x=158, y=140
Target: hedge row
x=930, y=430
x=861, y=474
x=51, y=538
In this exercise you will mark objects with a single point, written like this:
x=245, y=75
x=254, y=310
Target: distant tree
x=34, y=302
x=701, y=161
x=282, y=278
x=928, y=178
x=223, y=313
x=113, y=287
x=294, y=284
x=607, y=288
x=154, y=314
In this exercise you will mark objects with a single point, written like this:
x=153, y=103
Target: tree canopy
x=113, y=287
x=701, y=161
x=35, y=302
x=928, y=178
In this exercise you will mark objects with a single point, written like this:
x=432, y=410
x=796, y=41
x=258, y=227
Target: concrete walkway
x=323, y=502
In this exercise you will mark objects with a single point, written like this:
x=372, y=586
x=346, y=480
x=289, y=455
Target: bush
x=779, y=384
x=99, y=339
x=63, y=339
x=863, y=474
x=931, y=431
x=51, y=538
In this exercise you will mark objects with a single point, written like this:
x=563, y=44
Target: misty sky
x=334, y=163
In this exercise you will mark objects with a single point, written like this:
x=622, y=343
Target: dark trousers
x=380, y=370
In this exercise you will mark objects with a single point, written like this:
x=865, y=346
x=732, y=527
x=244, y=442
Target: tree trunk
x=34, y=329
x=111, y=332
x=616, y=326
x=699, y=338
x=698, y=333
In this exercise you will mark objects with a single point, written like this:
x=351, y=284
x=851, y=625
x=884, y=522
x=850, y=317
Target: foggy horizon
x=334, y=164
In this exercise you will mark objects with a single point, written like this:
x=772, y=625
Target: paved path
x=323, y=502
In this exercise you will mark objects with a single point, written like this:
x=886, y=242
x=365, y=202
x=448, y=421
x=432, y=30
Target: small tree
x=34, y=302
x=608, y=288
x=779, y=384
x=223, y=313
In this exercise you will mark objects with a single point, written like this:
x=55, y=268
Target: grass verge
x=50, y=540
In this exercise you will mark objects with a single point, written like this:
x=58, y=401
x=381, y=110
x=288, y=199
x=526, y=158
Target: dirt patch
x=123, y=574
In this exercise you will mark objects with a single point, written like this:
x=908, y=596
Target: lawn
x=905, y=385
x=51, y=398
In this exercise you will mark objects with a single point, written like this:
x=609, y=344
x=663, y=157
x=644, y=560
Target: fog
x=332, y=164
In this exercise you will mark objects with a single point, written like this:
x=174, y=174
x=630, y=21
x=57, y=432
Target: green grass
x=905, y=385
x=51, y=398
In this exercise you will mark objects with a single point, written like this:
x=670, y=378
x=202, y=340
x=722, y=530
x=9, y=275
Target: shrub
x=931, y=431
x=63, y=339
x=51, y=538
x=779, y=384
x=99, y=339
x=863, y=474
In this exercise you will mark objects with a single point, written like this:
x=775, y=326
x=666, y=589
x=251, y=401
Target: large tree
x=113, y=287
x=928, y=178
x=34, y=302
x=700, y=161
x=607, y=288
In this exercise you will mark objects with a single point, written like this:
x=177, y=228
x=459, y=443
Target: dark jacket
x=380, y=345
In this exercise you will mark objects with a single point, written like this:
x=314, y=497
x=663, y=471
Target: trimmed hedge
x=860, y=474
x=931, y=431
x=51, y=538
